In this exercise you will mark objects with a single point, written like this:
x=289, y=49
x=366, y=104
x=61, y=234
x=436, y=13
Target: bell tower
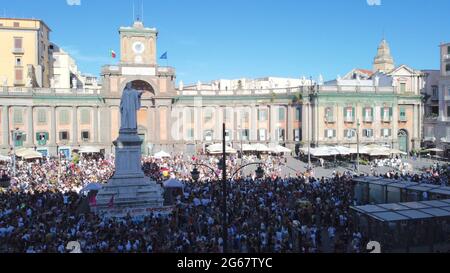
x=383, y=61
x=138, y=45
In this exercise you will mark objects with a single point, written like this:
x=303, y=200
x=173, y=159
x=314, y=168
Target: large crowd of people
x=39, y=212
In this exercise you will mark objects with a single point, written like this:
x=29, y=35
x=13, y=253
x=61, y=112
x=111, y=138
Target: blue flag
x=164, y=56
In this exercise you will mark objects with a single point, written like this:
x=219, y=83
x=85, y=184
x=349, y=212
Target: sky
x=229, y=39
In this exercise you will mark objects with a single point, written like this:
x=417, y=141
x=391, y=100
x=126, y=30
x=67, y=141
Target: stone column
x=272, y=134
x=5, y=125
x=219, y=122
x=53, y=138
x=30, y=131
x=74, y=125
x=254, y=124
x=198, y=124
x=290, y=117
x=157, y=128
x=96, y=126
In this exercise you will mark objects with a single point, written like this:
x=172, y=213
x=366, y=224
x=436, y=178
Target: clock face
x=138, y=47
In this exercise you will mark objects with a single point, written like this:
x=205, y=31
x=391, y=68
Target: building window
x=227, y=135
x=190, y=133
x=402, y=87
x=349, y=114
x=297, y=134
x=386, y=133
x=280, y=134
x=447, y=67
x=298, y=114
x=262, y=134
x=42, y=138
x=402, y=114
x=368, y=114
x=435, y=91
x=246, y=116
x=386, y=114
x=208, y=115
x=42, y=116
x=245, y=134
x=329, y=114
x=209, y=135
x=19, y=75
x=330, y=133
x=349, y=133
x=18, y=43
x=448, y=111
x=262, y=115
x=18, y=61
x=63, y=135
x=85, y=116
x=18, y=116
x=281, y=114
x=448, y=49
x=85, y=135
x=16, y=24
x=367, y=133
x=64, y=117
x=19, y=139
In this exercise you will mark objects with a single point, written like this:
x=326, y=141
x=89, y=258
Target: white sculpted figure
x=129, y=105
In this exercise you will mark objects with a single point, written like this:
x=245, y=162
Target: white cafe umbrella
x=173, y=183
x=162, y=154
x=280, y=149
x=261, y=147
x=5, y=158
x=31, y=154
x=92, y=187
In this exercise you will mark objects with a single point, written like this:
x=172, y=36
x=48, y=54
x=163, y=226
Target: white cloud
x=374, y=2
x=73, y=2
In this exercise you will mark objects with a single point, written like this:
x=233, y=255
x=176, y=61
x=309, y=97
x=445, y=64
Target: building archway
x=403, y=140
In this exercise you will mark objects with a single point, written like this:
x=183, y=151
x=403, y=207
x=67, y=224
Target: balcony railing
x=446, y=57
x=349, y=119
x=30, y=91
x=18, y=51
x=402, y=118
x=386, y=119
x=367, y=119
x=330, y=119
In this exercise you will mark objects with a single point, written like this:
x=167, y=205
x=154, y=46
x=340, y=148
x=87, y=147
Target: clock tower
x=138, y=45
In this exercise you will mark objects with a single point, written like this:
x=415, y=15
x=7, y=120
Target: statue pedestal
x=129, y=191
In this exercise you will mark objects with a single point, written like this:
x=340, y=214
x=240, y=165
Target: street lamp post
x=224, y=193
x=196, y=175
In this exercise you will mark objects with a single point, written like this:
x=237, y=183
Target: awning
x=89, y=150
x=261, y=147
x=247, y=148
x=445, y=139
x=162, y=154
x=397, y=152
x=173, y=183
x=218, y=149
x=32, y=154
x=280, y=149
x=429, y=139
x=5, y=158
x=22, y=151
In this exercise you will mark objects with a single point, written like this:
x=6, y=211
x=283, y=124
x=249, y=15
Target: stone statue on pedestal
x=129, y=105
x=129, y=191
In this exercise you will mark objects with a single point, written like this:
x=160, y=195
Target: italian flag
x=113, y=54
